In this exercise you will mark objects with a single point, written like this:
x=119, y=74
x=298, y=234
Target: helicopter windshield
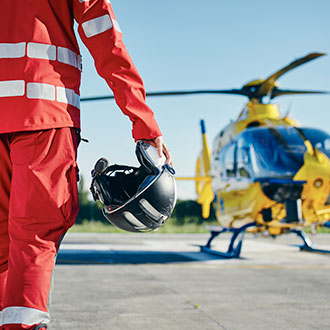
x=276, y=151
x=318, y=139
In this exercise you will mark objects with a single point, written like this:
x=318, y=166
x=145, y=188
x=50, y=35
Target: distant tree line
x=185, y=211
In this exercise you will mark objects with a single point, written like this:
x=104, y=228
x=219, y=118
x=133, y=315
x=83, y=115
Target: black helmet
x=136, y=199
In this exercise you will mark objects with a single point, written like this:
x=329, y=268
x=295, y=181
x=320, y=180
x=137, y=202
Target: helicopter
x=265, y=174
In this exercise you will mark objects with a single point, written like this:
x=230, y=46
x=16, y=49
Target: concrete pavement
x=163, y=282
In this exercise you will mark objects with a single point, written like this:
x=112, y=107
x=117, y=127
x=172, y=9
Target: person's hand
x=158, y=142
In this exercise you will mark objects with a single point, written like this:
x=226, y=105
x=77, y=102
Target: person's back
x=39, y=65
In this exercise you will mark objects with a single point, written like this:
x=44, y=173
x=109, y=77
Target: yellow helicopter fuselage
x=264, y=168
x=238, y=199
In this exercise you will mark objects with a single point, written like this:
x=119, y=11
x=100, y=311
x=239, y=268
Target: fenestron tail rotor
x=253, y=90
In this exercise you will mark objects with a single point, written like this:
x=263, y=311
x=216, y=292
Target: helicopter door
x=236, y=197
x=244, y=192
x=226, y=202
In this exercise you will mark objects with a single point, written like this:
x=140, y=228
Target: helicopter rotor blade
x=269, y=83
x=191, y=92
x=258, y=90
x=173, y=93
x=279, y=92
x=97, y=98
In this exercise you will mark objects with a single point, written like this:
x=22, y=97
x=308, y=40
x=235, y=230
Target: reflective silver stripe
x=0, y=318
x=97, y=25
x=12, y=50
x=24, y=315
x=12, y=88
x=67, y=56
x=150, y=210
x=40, y=91
x=116, y=25
x=68, y=96
x=40, y=51
x=43, y=51
x=133, y=220
x=79, y=62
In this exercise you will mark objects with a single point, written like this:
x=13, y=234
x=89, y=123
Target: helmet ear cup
x=100, y=166
x=104, y=193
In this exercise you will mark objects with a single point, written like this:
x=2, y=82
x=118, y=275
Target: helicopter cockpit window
x=278, y=151
x=220, y=166
x=319, y=139
x=243, y=159
x=229, y=160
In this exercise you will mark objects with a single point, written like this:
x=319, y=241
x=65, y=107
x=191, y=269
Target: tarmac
x=163, y=282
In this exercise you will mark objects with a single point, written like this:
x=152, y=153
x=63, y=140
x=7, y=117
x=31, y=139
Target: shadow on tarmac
x=94, y=257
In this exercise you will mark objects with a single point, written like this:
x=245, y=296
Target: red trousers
x=38, y=204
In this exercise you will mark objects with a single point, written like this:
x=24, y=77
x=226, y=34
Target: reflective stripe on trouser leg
x=43, y=205
x=23, y=315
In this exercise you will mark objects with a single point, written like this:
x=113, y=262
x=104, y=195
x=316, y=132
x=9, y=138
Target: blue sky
x=215, y=44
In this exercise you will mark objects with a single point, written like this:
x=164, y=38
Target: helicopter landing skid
x=235, y=245
x=307, y=243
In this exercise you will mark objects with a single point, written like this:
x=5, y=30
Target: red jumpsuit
x=40, y=69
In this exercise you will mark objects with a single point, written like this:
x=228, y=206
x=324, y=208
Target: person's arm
x=100, y=32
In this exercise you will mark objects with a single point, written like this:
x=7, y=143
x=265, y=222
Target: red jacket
x=40, y=65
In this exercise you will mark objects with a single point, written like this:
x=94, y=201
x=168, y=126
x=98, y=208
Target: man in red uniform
x=39, y=118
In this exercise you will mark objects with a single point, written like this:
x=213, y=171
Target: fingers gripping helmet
x=136, y=199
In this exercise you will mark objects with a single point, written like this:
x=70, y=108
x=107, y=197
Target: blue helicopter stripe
x=283, y=181
x=327, y=224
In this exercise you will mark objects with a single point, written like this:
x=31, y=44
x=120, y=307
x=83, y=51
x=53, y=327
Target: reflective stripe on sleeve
x=0, y=318
x=66, y=95
x=24, y=315
x=12, y=88
x=12, y=50
x=116, y=25
x=40, y=91
x=42, y=51
x=97, y=25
